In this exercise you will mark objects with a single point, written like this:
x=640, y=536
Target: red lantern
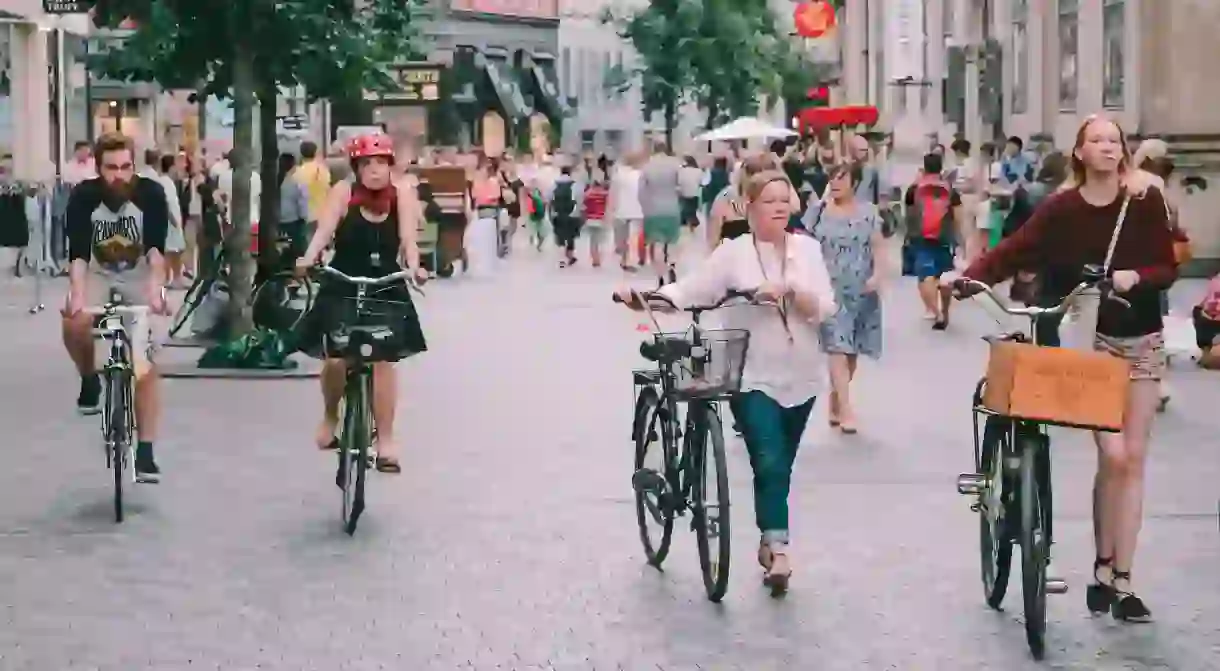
x=814, y=18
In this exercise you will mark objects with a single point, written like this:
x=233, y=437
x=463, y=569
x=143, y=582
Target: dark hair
x=778, y=147
x=850, y=168
x=79, y=145
x=1161, y=166
x=167, y=163
x=1054, y=169
x=308, y=150
x=960, y=147
x=286, y=163
x=690, y=162
x=566, y=170
x=109, y=142
x=720, y=163
x=659, y=147
x=1017, y=141
x=933, y=164
x=152, y=158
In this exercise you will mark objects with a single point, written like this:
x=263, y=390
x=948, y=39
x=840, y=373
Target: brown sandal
x=388, y=465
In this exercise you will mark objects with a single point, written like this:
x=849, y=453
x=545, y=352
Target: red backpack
x=932, y=208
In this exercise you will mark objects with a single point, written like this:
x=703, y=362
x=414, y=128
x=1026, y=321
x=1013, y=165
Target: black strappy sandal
x=1099, y=596
x=1128, y=607
x=388, y=465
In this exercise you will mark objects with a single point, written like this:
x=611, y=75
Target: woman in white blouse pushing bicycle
x=785, y=366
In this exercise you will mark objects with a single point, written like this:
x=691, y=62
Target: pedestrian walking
x=690, y=178
x=1108, y=205
x=595, y=224
x=932, y=209
x=481, y=237
x=662, y=213
x=565, y=218
x=625, y=208
x=850, y=233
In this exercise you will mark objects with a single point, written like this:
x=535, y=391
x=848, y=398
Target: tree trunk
x=238, y=241
x=671, y=120
x=269, y=208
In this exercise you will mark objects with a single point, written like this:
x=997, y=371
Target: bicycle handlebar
x=407, y=275
x=748, y=296
x=1032, y=312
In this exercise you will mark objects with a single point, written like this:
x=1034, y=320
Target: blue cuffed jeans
x=772, y=434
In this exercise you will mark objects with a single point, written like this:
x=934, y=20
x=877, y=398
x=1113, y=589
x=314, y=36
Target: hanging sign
x=66, y=6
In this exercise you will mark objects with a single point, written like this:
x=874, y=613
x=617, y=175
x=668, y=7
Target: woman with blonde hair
x=1106, y=215
x=728, y=217
x=784, y=371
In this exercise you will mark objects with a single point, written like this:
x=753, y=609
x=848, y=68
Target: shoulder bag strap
x=1118, y=229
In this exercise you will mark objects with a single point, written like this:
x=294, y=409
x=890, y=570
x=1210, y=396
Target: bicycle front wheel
x=117, y=431
x=1034, y=550
x=995, y=522
x=652, y=478
x=710, y=500
x=354, y=454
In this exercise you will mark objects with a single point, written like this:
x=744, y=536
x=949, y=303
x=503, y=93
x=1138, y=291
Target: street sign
x=416, y=83
x=66, y=6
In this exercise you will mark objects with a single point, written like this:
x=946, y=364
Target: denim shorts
x=930, y=259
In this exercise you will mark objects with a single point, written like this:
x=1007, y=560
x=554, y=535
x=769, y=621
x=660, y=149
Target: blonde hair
x=758, y=182
x=755, y=165
x=1149, y=150
x=1135, y=181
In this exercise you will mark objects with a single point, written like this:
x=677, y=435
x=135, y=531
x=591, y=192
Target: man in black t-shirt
x=116, y=226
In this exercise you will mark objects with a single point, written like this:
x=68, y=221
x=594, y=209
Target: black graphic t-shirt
x=114, y=240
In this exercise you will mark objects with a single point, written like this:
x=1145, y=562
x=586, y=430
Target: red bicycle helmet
x=365, y=146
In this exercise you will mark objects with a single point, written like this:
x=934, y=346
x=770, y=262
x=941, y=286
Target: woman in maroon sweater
x=1069, y=230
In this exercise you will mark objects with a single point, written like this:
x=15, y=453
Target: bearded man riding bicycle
x=116, y=226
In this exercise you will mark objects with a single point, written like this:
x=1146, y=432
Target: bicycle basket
x=380, y=329
x=715, y=368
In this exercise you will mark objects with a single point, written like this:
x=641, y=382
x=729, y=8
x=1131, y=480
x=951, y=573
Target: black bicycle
x=1011, y=483
x=361, y=346
x=118, y=386
x=696, y=369
x=279, y=302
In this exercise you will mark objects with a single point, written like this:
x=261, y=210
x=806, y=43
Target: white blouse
x=625, y=193
x=789, y=371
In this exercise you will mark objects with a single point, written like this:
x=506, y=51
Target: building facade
x=987, y=69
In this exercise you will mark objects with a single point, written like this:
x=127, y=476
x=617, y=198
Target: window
x=622, y=72
x=1020, y=56
x=1114, y=37
x=614, y=142
x=566, y=71
x=588, y=140
x=1069, y=43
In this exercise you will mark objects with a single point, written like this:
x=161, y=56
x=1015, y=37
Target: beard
x=117, y=192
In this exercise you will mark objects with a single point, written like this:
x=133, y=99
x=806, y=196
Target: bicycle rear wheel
x=652, y=478
x=354, y=452
x=710, y=506
x=281, y=302
x=117, y=430
x=1033, y=547
x=995, y=537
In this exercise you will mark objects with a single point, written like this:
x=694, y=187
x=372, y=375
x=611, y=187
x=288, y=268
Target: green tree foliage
x=249, y=48
x=720, y=54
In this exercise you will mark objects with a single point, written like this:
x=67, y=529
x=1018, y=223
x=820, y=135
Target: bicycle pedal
x=1056, y=586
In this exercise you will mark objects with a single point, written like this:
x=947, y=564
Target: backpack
x=562, y=201
x=537, y=209
x=930, y=217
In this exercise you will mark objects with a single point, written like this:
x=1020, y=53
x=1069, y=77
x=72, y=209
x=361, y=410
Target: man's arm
x=79, y=229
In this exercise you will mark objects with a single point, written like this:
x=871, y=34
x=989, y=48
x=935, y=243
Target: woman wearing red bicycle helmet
x=373, y=222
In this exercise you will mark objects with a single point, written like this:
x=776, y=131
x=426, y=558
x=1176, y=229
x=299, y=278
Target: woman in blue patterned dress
x=850, y=232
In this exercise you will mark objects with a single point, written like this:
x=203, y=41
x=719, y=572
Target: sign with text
x=416, y=83
x=66, y=6
x=534, y=9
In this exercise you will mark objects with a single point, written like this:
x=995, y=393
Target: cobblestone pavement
x=509, y=541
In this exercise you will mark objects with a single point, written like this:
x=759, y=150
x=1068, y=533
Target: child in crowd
x=594, y=208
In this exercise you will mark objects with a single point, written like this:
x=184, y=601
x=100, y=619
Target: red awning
x=830, y=117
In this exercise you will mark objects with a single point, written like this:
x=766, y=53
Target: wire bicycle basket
x=373, y=324
x=711, y=369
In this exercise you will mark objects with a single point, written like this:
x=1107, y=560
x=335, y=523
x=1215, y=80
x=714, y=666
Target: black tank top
x=736, y=224
x=367, y=248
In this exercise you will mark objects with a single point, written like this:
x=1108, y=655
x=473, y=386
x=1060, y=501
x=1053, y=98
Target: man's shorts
x=98, y=294
x=662, y=230
x=930, y=259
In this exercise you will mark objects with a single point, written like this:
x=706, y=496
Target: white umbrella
x=745, y=128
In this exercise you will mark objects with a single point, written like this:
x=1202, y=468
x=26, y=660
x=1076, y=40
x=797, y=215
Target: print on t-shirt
x=117, y=237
